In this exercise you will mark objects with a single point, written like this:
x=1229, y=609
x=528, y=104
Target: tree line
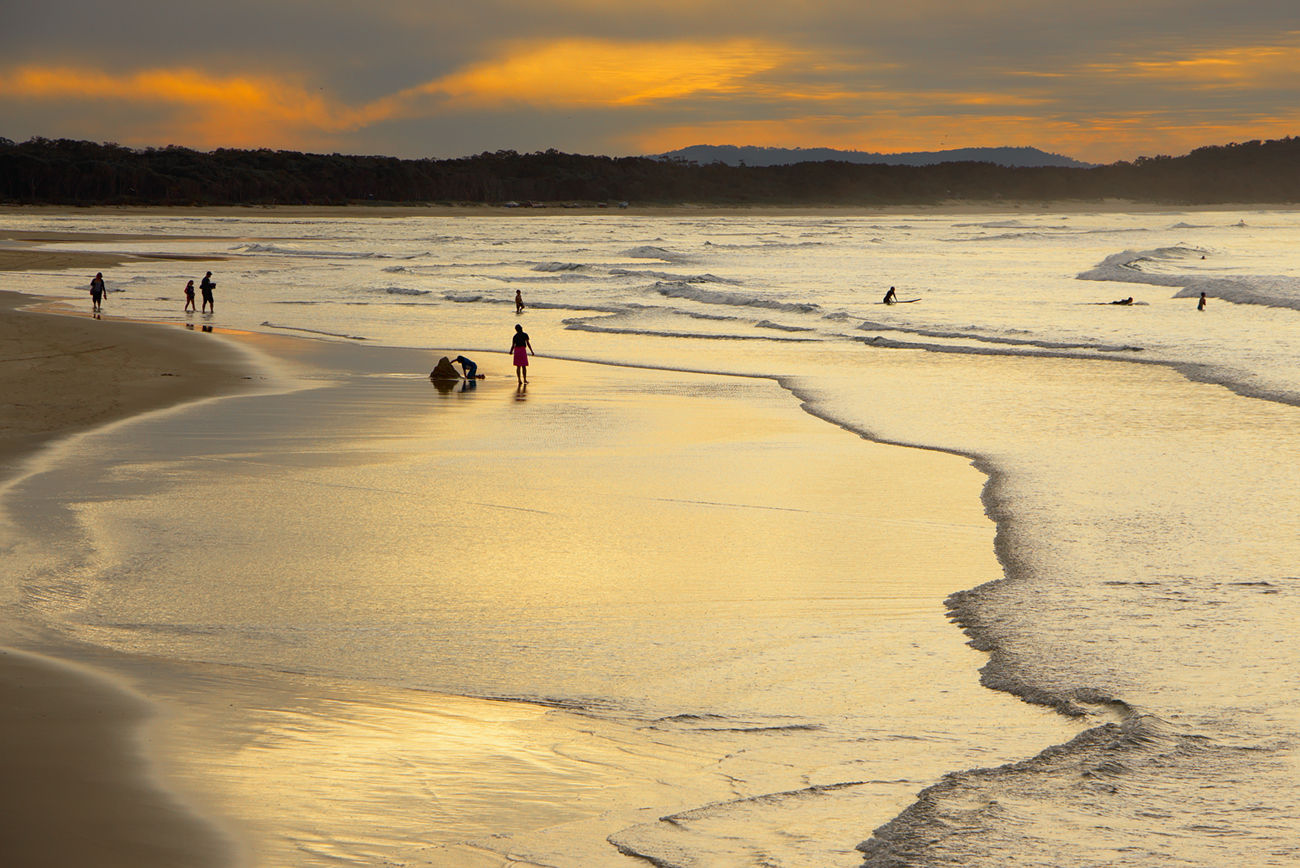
x=67, y=172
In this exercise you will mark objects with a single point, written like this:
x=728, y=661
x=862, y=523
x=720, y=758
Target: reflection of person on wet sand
x=890, y=297
x=1128, y=300
x=519, y=302
x=520, y=347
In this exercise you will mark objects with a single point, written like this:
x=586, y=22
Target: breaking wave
x=553, y=267
x=1264, y=290
x=651, y=252
x=708, y=296
x=988, y=339
x=679, y=278
x=1128, y=267
x=587, y=325
x=281, y=250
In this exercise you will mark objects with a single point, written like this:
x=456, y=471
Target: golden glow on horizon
x=1093, y=139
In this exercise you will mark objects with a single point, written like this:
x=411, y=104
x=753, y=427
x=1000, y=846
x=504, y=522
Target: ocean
x=753, y=655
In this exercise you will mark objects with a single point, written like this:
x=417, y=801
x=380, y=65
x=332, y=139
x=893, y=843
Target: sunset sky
x=1099, y=81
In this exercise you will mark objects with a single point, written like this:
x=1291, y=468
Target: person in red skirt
x=521, y=347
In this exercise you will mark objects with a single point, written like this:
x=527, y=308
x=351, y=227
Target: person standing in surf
x=519, y=302
x=189, y=296
x=520, y=346
x=97, y=291
x=207, y=285
x=1200, y=305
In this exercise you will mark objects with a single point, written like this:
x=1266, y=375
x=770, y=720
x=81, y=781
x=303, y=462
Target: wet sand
x=63, y=374
x=74, y=787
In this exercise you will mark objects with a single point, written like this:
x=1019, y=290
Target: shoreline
x=50, y=391
x=425, y=209
x=58, y=719
x=136, y=364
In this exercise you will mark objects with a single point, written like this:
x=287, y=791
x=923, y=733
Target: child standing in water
x=189, y=296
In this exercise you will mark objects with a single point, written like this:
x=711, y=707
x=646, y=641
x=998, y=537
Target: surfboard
x=902, y=301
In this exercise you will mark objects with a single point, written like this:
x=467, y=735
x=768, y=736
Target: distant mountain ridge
x=751, y=155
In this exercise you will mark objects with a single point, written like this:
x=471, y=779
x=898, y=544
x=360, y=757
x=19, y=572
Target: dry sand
x=74, y=789
x=66, y=373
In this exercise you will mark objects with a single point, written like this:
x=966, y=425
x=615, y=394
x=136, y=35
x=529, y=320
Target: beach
x=56, y=391
x=78, y=789
x=686, y=598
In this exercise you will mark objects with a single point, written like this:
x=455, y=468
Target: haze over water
x=1143, y=480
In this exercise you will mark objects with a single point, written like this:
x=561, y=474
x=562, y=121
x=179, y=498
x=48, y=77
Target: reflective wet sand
x=697, y=595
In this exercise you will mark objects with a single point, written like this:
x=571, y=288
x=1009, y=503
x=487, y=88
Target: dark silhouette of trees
x=66, y=172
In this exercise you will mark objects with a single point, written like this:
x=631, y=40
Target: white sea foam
x=666, y=276
x=1274, y=291
x=651, y=252
x=768, y=324
x=1129, y=266
x=708, y=296
x=1148, y=572
x=306, y=253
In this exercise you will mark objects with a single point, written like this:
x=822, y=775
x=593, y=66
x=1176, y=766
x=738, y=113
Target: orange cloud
x=1249, y=66
x=259, y=110
x=247, y=111
x=593, y=73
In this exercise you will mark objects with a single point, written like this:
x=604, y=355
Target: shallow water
x=1143, y=483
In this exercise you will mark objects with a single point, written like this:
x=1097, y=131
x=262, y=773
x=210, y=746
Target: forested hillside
x=45, y=171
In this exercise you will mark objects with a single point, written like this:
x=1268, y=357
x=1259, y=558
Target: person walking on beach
x=97, y=291
x=1200, y=305
x=520, y=346
x=189, y=296
x=890, y=297
x=519, y=302
x=207, y=285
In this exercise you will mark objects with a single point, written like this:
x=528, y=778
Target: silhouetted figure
x=1200, y=305
x=1128, y=300
x=206, y=286
x=520, y=347
x=97, y=291
x=519, y=302
x=189, y=296
x=890, y=297
x=469, y=367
